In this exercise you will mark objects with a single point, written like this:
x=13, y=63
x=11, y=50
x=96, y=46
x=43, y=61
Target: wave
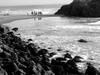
x=28, y=11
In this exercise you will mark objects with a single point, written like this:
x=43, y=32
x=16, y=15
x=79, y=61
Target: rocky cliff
x=81, y=8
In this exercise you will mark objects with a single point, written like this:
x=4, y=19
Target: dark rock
x=48, y=73
x=77, y=59
x=30, y=40
x=32, y=49
x=3, y=55
x=81, y=8
x=56, y=62
x=1, y=50
x=3, y=72
x=10, y=67
x=15, y=29
x=42, y=52
x=1, y=29
x=67, y=55
x=60, y=59
x=71, y=68
x=59, y=49
x=52, y=54
x=10, y=33
x=57, y=69
x=82, y=41
x=18, y=73
x=91, y=70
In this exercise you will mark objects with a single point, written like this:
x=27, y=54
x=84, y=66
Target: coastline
x=19, y=57
x=71, y=45
x=49, y=67
x=10, y=18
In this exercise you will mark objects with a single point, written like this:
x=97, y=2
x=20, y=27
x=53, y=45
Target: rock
x=59, y=49
x=15, y=29
x=42, y=52
x=82, y=67
x=10, y=33
x=3, y=55
x=49, y=73
x=71, y=67
x=77, y=59
x=3, y=72
x=92, y=70
x=82, y=41
x=1, y=50
x=60, y=59
x=81, y=8
x=10, y=67
x=68, y=56
x=32, y=49
x=57, y=69
x=1, y=29
x=52, y=54
x=30, y=40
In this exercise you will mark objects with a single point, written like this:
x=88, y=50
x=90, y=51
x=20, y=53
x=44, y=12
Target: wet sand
x=10, y=18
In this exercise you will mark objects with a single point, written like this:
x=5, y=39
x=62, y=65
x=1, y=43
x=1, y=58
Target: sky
x=32, y=2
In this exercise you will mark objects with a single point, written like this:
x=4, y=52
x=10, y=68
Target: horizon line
x=28, y=5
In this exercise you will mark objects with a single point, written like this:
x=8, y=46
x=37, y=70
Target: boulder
x=15, y=29
x=82, y=41
x=3, y=72
x=81, y=8
x=91, y=70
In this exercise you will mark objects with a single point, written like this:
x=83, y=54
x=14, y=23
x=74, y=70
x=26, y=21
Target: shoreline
x=55, y=44
x=37, y=58
x=18, y=56
x=11, y=18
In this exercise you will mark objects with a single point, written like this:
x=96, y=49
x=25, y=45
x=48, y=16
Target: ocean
x=25, y=9
x=62, y=32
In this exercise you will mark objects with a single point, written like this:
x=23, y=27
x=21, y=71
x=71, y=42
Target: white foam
x=95, y=23
x=25, y=12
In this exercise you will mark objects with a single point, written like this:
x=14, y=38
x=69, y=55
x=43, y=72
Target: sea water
x=27, y=9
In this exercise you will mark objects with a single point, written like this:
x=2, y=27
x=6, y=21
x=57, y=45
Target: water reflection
x=37, y=18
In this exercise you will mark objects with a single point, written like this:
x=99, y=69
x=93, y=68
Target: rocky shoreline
x=19, y=57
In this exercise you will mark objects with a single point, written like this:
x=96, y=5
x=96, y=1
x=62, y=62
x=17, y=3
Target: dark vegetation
x=18, y=57
x=81, y=8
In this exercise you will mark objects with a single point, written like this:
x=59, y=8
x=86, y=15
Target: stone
x=3, y=72
x=82, y=41
x=15, y=29
x=1, y=50
x=81, y=8
x=91, y=70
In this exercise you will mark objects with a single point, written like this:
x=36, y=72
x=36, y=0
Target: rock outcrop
x=81, y=8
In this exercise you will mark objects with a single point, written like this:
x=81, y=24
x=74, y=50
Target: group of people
x=36, y=13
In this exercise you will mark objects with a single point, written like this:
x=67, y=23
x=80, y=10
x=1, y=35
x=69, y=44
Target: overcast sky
x=32, y=2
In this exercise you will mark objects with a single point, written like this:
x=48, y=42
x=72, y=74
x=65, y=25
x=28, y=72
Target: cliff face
x=81, y=8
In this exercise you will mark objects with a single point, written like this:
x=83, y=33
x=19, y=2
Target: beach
x=59, y=39
x=10, y=18
x=59, y=44
x=50, y=39
x=13, y=49
x=64, y=42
